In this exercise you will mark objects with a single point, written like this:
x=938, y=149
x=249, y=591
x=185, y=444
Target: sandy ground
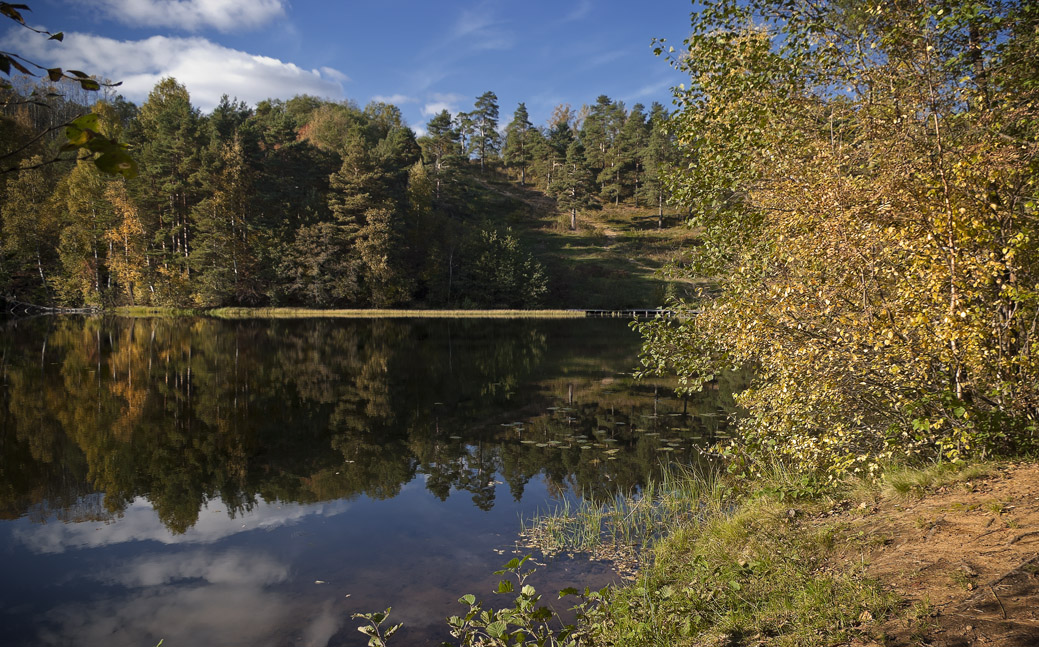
x=966, y=558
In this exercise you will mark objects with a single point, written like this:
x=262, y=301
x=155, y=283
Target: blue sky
x=422, y=56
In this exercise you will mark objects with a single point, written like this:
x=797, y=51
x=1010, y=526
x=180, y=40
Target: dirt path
x=966, y=557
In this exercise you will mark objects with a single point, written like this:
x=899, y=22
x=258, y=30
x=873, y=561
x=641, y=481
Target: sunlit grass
x=146, y=311
x=724, y=561
x=919, y=481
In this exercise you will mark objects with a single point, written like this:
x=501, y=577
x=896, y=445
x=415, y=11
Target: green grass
x=731, y=563
x=149, y=311
x=615, y=258
x=906, y=482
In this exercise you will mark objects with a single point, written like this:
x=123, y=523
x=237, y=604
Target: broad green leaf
x=117, y=162
x=497, y=629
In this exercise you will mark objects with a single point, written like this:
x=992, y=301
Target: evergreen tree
x=167, y=146
x=658, y=153
x=552, y=156
x=486, y=141
x=517, y=150
x=223, y=255
x=441, y=149
x=465, y=126
x=629, y=151
x=541, y=157
x=599, y=133
x=573, y=185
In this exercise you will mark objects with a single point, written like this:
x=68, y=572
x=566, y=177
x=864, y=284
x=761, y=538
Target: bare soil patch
x=966, y=558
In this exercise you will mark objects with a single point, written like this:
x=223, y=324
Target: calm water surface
x=256, y=482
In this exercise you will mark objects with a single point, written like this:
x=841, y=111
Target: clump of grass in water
x=622, y=529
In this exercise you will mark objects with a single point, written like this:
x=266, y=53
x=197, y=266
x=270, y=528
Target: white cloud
x=139, y=522
x=394, y=99
x=192, y=15
x=207, y=69
x=435, y=108
x=439, y=102
x=334, y=74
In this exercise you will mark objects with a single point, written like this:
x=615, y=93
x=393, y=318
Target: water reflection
x=183, y=412
x=195, y=478
x=139, y=522
x=224, y=596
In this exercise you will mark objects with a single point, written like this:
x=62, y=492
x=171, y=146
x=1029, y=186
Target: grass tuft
x=915, y=482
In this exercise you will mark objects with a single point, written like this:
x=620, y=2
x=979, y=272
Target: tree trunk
x=660, y=209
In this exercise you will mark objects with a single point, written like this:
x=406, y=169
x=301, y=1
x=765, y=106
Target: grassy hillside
x=615, y=259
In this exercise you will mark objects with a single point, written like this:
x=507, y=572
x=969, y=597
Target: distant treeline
x=304, y=202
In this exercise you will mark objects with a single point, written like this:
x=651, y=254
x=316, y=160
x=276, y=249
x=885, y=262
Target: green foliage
x=517, y=148
x=311, y=203
x=497, y=273
x=524, y=623
x=572, y=184
x=865, y=180
x=485, y=141
x=377, y=635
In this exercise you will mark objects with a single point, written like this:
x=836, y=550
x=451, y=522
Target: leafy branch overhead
x=82, y=133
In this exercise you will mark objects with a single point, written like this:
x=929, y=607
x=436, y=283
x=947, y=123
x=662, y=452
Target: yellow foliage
x=876, y=266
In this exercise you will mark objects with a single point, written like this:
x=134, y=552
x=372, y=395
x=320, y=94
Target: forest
x=305, y=202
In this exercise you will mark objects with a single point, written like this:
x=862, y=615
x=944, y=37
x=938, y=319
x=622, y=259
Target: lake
x=212, y=482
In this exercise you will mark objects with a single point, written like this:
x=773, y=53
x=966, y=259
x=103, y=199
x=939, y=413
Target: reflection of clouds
x=324, y=626
x=235, y=568
x=197, y=598
x=139, y=521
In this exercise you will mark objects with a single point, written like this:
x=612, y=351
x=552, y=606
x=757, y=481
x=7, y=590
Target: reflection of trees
x=182, y=411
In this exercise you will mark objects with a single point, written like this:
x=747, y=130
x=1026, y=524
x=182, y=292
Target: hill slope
x=614, y=260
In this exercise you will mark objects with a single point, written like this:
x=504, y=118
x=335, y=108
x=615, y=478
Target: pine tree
x=167, y=146
x=441, y=149
x=599, y=133
x=486, y=141
x=223, y=257
x=629, y=150
x=573, y=186
x=658, y=153
x=517, y=142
